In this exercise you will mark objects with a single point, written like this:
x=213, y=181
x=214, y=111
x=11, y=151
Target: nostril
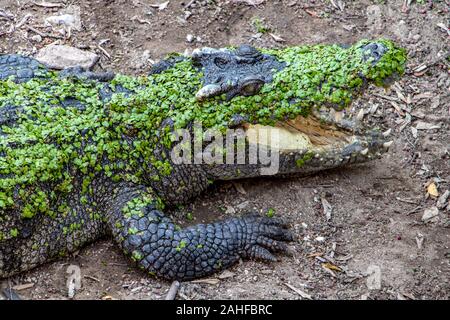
x=374, y=51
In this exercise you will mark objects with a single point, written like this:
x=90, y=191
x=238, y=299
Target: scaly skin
x=84, y=155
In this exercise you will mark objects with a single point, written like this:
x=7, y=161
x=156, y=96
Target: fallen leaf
x=397, y=108
x=226, y=274
x=277, y=38
x=313, y=255
x=331, y=266
x=239, y=188
x=432, y=190
x=327, y=208
x=424, y=95
x=312, y=13
x=160, y=6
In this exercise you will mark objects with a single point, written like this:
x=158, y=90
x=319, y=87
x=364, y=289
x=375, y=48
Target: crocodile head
x=303, y=97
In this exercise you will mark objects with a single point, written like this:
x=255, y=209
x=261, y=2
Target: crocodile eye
x=251, y=87
x=221, y=62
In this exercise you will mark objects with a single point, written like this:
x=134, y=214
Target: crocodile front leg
x=160, y=247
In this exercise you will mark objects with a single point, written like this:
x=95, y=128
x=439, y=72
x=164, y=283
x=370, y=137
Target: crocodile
x=86, y=155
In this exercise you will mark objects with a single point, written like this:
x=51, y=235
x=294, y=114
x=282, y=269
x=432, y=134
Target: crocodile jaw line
x=330, y=146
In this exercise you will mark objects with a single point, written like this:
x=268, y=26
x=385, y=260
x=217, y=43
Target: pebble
x=243, y=205
x=429, y=214
x=230, y=210
x=442, y=201
x=190, y=38
x=36, y=38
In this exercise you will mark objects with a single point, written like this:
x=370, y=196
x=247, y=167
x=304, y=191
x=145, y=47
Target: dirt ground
x=375, y=246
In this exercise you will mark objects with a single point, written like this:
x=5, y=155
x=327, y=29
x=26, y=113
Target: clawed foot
x=266, y=236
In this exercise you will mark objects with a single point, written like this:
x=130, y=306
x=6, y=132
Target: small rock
x=416, y=37
x=430, y=214
x=414, y=132
x=230, y=210
x=62, y=57
x=442, y=201
x=243, y=205
x=36, y=38
x=320, y=239
x=190, y=38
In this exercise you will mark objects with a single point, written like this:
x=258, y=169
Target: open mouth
x=321, y=142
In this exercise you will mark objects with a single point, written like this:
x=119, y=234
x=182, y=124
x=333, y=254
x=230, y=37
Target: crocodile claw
x=266, y=236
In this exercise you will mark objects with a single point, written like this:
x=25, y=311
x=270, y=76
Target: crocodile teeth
x=207, y=91
x=365, y=151
x=387, y=145
x=387, y=133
